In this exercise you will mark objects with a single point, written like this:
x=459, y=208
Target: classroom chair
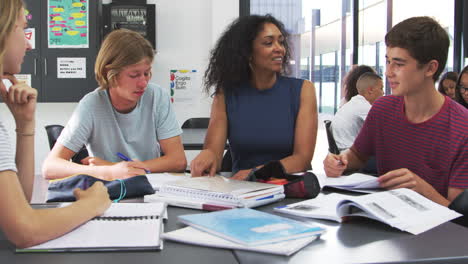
x=332, y=147
x=53, y=132
x=460, y=204
x=226, y=163
x=196, y=122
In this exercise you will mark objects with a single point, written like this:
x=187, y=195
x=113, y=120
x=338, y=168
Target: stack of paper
x=246, y=229
x=356, y=182
x=124, y=226
x=216, y=193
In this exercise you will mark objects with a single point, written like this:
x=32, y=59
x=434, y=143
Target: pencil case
x=304, y=185
x=61, y=190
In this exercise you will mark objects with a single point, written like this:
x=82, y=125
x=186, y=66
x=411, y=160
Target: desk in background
x=193, y=138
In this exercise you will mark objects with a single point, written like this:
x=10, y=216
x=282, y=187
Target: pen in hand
x=85, y=184
x=125, y=158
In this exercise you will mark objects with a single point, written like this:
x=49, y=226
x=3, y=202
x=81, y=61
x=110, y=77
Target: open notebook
x=124, y=226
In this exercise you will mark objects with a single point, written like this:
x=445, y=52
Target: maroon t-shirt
x=435, y=150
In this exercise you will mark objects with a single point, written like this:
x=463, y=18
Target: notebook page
x=191, y=235
x=109, y=233
x=159, y=179
x=134, y=209
x=221, y=184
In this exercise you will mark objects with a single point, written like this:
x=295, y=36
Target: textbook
x=356, y=182
x=216, y=193
x=124, y=226
x=250, y=227
x=403, y=209
x=194, y=236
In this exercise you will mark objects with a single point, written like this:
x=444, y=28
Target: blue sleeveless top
x=261, y=123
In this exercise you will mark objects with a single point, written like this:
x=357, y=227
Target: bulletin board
x=68, y=24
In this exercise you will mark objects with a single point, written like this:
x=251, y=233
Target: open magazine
x=401, y=208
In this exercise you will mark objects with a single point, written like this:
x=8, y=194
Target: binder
x=214, y=193
x=123, y=227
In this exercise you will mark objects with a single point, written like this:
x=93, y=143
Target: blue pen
x=85, y=184
x=123, y=157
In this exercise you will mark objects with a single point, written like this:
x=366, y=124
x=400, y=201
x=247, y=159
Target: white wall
x=186, y=31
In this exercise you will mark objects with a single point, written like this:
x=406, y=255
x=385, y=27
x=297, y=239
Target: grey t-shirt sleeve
x=7, y=156
x=165, y=118
x=78, y=129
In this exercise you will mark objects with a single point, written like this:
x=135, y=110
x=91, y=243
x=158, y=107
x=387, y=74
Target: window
x=322, y=36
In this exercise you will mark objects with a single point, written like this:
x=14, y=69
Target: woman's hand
x=21, y=100
x=97, y=196
x=241, y=175
x=204, y=163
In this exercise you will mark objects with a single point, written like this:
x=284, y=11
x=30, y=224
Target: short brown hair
x=424, y=38
x=121, y=48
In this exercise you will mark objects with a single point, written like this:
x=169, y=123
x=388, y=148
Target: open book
x=356, y=182
x=194, y=236
x=250, y=227
x=401, y=208
x=124, y=226
x=216, y=193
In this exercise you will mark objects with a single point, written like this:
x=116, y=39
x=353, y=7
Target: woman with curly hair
x=447, y=84
x=351, y=79
x=264, y=115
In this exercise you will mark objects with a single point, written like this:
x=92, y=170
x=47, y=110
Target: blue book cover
x=250, y=227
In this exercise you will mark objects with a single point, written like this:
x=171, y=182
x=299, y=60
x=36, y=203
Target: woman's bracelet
x=23, y=133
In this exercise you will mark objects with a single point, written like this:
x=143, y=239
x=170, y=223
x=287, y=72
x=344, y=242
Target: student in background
x=264, y=115
x=21, y=224
x=461, y=93
x=447, y=84
x=351, y=80
x=349, y=119
x=404, y=130
x=125, y=114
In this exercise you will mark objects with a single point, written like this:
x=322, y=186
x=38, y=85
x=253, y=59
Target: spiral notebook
x=216, y=193
x=123, y=227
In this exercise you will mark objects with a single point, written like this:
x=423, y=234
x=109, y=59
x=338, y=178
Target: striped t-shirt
x=436, y=150
x=7, y=157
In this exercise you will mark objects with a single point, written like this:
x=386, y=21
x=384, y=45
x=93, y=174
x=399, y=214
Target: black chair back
x=196, y=122
x=332, y=147
x=226, y=163
x=53, y=132
x=460, y=204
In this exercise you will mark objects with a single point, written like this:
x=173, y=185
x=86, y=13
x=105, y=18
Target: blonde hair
x=9, y=13
x=120, y=48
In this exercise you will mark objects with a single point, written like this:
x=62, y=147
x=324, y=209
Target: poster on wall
x=182, y=85
x=30, y=34
x=22, y=78
x=25, y=78
x=133, y=18
x=68, y=23
x=68, y=68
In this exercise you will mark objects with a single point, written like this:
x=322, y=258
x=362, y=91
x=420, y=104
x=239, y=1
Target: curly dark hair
x=229, y=61
x=458, y=96
x=352, y=78
x=453, y=76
